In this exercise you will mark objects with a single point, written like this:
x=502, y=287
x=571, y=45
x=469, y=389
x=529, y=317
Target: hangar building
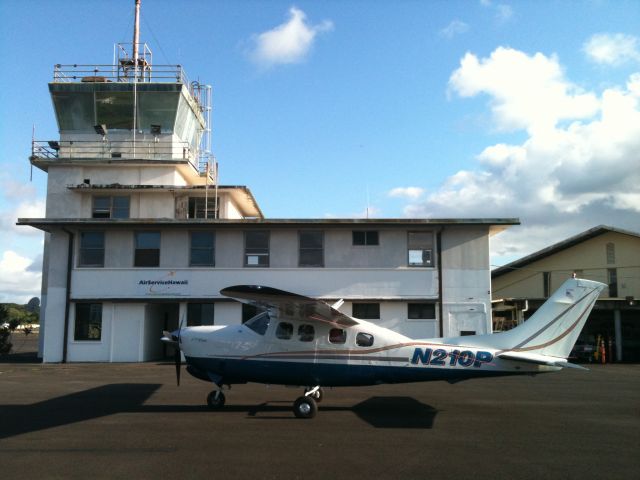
x=603, y=253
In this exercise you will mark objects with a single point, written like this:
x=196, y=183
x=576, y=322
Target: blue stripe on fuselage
x=325, y=374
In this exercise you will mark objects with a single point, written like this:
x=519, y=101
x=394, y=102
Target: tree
x=5, y=331
x=33, y=305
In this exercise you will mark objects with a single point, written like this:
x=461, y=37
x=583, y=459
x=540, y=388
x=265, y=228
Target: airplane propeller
x=173, y=339
x=177, y=357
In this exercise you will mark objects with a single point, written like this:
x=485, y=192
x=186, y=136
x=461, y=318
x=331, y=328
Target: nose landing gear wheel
x=305, y=407
x=215, y=400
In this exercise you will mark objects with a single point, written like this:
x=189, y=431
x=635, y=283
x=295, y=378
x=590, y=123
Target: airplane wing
x=289, y=304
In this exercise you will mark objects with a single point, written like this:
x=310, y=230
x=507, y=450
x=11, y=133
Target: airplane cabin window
x=364, y=339
x=306, y=333
x=284, y=331
x=259, y=323
x=337, y=335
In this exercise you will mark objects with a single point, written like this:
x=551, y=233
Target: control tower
x=131, y=114
x=130, y=176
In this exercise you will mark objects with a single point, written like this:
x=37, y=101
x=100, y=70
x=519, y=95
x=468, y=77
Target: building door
x=159, y=317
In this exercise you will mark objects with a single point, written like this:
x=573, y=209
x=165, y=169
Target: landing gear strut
x=215, y=400
x=316, y=392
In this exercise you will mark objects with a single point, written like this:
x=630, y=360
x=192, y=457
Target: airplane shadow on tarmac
x=379, y=412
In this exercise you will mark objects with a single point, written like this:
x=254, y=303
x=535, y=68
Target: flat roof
x=495, y=225
x=240, y=194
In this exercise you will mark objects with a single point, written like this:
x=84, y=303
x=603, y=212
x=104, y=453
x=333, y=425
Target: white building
x=139, y=236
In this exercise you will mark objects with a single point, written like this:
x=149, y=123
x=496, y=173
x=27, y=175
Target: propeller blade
x=178, y=356
x=178, y=359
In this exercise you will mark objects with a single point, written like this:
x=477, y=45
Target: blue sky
x=476, y=108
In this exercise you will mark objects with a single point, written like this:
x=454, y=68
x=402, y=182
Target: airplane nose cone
x=176, y=335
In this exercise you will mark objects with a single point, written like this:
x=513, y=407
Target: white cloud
x=289, y=42
x=20, y=277
x=613, y=48
x=9, y=214
x=526, y=91
x=456, y=27
x=503, y=12
x=412, y=193
x=565, y=177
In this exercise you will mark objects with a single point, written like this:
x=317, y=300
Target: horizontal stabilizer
x=538, y=360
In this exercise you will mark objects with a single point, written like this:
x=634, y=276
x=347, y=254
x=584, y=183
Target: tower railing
x=123, y=150
x=95, y=73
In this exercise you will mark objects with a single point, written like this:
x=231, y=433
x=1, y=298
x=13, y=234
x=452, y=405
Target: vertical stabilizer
x=554, y=328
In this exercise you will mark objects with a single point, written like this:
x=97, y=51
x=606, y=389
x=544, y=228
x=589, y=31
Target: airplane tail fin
x=553, y=329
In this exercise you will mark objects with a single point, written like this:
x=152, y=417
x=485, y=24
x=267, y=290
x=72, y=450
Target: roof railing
x=113, y=73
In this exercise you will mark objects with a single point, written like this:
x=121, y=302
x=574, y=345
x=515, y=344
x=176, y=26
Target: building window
x=202, y=249
x=611, y=253
x=420, y=249
x=546, y=284
x=256, y=248
x=421, y=311
x=88, y=324
x=197, y=207
x=91, y=249
x=612, y=276
x=199, y=314
x=311, y=249
x=147, y=252
x=365, y=237
x=366, y=311
x=110, y=207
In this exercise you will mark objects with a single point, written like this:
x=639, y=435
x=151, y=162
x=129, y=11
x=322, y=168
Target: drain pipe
x=68, y=294
x=439, y=260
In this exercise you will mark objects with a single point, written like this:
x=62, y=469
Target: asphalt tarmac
x=131, y=421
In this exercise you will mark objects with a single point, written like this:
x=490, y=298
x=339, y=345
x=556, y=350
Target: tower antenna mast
x=136, y=36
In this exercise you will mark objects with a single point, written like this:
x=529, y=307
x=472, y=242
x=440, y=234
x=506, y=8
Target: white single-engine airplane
x=299, y=341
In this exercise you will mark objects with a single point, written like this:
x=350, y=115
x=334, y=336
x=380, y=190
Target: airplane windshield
x=259, y=323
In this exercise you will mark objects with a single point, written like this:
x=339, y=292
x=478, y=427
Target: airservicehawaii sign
x=167, y=284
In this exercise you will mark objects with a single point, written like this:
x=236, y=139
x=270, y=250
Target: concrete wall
x=466, y=280
x=284, y=249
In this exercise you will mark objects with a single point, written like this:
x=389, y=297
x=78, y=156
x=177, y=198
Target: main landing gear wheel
x=305, y=407
x=215, y=400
